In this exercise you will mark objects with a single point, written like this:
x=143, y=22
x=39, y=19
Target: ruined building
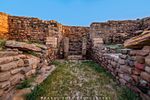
x=50, y=40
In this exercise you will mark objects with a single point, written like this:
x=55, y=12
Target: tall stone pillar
x=84, y=46
x=66, y=47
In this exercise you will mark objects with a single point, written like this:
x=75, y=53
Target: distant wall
x=118, y=31
x=4, y=27
x=76, y=35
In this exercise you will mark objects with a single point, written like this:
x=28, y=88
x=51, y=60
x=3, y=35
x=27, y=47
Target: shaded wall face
x=76, y=37
x=4, y=27
x=114, y=31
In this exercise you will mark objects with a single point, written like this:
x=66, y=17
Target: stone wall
x=32, y=29
x=20, y=61
x=77, y=36
x=15, y=67
x=4, y=27
x=118, y=31
x=130, y=67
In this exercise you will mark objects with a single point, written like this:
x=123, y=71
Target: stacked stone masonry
x=17, y=64
x=130, y=67
x=33, y=43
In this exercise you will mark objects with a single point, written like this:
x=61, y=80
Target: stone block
x=142, y=52
x=8, y=66
x=126, y=69
x=5, y=60
x=133, y=52
x=145, y=76
x=147, y=69
x=4, y=76
x=15, y=79
x=28, y=74
x=122, y=81
x=146, y=48
x=4, y=85
x=1, y=92
x=22, y=46
x=123, y=56
x=114, y=64
x=140, y=59
x=130, y=63
x=121, y=61
x=26, y=69
x=147, y=60
x=20, y=63
x=125, y=51
x=139, y=66
x=135, y=78
x=33, y=61
x=136, y=71
x=16, y=70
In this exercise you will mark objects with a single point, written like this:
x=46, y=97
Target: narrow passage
x=80, y=80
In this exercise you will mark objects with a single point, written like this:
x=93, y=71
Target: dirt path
x=77, y=81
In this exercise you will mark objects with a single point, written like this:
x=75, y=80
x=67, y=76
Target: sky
x=78, y=12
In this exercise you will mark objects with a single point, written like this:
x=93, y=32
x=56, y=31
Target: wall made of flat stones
x=130, y=67
x=32, y=29
x=76, y=36
x=4, y=27
x=118, y=31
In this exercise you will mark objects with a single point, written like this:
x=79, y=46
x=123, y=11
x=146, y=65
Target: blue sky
x=78, y=12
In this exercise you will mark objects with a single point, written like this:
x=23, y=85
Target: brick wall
x=130, y=67
x=118, y=31
x=32, y=29
x=4, y=27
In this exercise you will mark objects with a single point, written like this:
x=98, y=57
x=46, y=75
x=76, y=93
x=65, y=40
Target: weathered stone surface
x=22, y=46
x=33, y=61
x=121, y=61
x=4, y=76
x=5, y=84
x=1, y=92
x=138, y=41
x=123, y=56
x=142, y=52
x=125, y=51
x=8, y=66
x=135, y=78
x=14, y=71
x=147, y=69
x=4, y=26
x=136, y=71
x=20, y=63
x=8, y=53
x=122, y=81
x=126, y=69
x=139, y=66
x=140, y=59
x=145, y=76
x=5, y=60
x=16, y=78
x=26, y=69
x=147, y=60
x=133, y=53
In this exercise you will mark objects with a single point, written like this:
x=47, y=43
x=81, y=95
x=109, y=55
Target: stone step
x=8, y=53
x=75, y=57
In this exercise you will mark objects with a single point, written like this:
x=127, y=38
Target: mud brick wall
x=4, y=27
x=117, y=31
x=130, y=67
x=32, y=29
x=15, y=67
x=76, y=36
